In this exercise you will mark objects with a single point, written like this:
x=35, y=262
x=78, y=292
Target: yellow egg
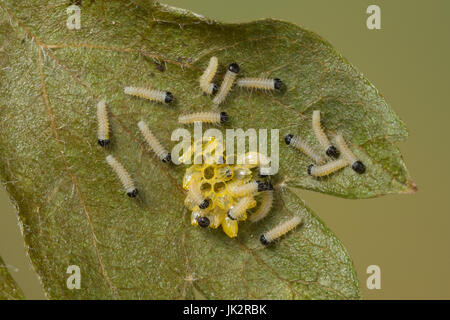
x=230, y=227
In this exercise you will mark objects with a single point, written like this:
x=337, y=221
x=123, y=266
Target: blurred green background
x=408, y=61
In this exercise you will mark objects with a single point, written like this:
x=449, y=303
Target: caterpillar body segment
x=249, y=189
x=207, y=117
x=103, y=124
x=206, y=79
x=264, y=207
x=154, y=143
x=196, y=195
x=330, y=150
x=349, y=156
x=328, y=168
x=298, y=143
x=260, y=83
x=123, y=175
x=150, y=94
x=239, y=210
x=227, y=83
x=280, y=230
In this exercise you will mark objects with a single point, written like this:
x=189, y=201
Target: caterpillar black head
x=359, y=167
x=169, y=97
x=203, y=222
x=277, y=84
x=288, y=138
x=309, y=168
x=215, y=88
x=234, y=67
x=204, y=204
x=167, y=158
x=224, y=117
x=332, y=151
x=133, y=193
x=103, y=142
x=263, y=240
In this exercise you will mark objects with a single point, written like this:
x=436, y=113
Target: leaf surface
x=71, y=206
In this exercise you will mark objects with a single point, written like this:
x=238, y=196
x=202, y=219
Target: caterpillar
x=150, y=94
x=301, y=145
x=242, y=173
x=224, y=173
x=240, y=208
x=123, y=175
x=208, y=75
x=260, y=83
x=208, y=117
x=248, y=189
x=227, y=83
x=153, y=143
x=196, y=195
x=103, y=124
x=330, y=150
x=264, y=207
x=348, y=155
x=328, y=168
x=280, y=230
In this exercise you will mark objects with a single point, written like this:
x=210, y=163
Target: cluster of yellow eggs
x=215, y=178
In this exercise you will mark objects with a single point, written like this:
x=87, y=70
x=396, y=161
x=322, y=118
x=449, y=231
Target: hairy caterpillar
x=250, y=188
x=208, y=117
x=196, y=195
x=224, y=173
x=227, y=83
x=280, y=230
x=328, y=168
x=123, y=175
x=153, y=143
x=242, y=173
x=240, y=208
x=301, y=145
x=150, y=94
x=348, y=155
x=260, y=83
x=103, y=124
x=208, y=75
x=264, y=207
x=330, y=150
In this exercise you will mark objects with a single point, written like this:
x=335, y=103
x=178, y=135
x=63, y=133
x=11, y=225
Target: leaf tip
x=411, y=188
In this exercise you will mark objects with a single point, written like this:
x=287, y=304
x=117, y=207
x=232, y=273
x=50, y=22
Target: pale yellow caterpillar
x=328, y=168
x=205, y=80
x=207, y=117
x=260, y=83
x=150, y=94
x=239, y=209
x=301, y=145
x=280, y=230
x=264, y=207
x=248, y=189
x=196, y=195
x=224, y=173
x=103, y=124
x=227, y=83
x=348, y=155
x=154, y=143
x=123, y=175
x=242, y=173
x=330, y=150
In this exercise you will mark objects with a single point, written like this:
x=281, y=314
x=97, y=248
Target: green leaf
x=9, y=290
x=72, y=208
